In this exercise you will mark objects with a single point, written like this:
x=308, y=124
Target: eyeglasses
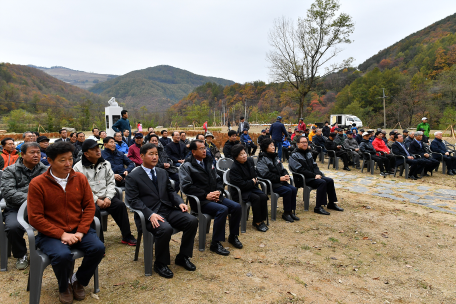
x=202, y=149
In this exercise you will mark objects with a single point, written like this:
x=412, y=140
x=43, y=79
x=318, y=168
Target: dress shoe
x=321, y=210
x=454, y=171
x=334, y=207
x=233, y=240
x=346, y=168
x=294, y=217
x=425, y=174
x=260, y=227
x=66, y=297
x=358, y=167
x=412, y=177
x=78, y=291
x=219, y=249
x=130, y=241
x=450, y=172
x=287, y=217
x=163, y=270
x=184, y=261
x=265, y=226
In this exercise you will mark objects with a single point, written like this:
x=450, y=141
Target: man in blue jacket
x=438, y=146
x=123, y=124
x=121, y=165
x=276, y=131
x=248, y=142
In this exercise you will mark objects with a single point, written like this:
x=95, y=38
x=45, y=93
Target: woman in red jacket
x=380, y=146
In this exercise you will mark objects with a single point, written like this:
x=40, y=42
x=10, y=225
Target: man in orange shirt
x=9, y=154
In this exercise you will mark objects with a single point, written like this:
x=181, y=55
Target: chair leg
x=443, y=167
x=104, y=223
x=406, y=171
x=36, y=279
x=244, y=218
x=96, y=286
x=336, y=163
x=138, y=245
x=148, y=253
x=306, y=197
x=273, y=206
x=203, y=229
x=372, y=164
x=4, y=252
x=362, y=167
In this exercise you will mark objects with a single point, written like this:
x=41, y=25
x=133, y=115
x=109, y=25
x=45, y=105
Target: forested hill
x=23, y=87
x=419, y=50
x=156, y=88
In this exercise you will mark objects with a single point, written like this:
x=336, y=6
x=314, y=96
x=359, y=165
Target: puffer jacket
x=351, y=143
x=100, y=177
x=366, y=147
x=15, y=182
x=228, y=146
x=302, y=162
x=118, y=161
x=270, y=167
x=9, y=158
x=44, y=158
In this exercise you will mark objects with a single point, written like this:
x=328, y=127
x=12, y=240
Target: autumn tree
x=299, y=53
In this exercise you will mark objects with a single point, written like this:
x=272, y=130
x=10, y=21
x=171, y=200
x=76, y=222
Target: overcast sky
x=220, y=38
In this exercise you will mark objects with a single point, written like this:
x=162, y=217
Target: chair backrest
x=224, y=164
x=255, y=160
x=226, y=176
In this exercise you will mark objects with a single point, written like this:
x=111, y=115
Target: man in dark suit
x=243, y=125
x=198, y=177
x=417, y=147
x=63, y=135
x=176, y=150
x=398, y=148
x=149, y=189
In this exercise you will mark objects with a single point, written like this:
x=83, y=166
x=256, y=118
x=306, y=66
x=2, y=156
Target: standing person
x=63, y=135
x=301, y=125
x=123, y=124
x=58, y=191
x=229, y=125
x=243, y=125
x=326, y=130
x=425, y=126
x=9, y=153
x=139, y=126
x=14, y=188
x=205, y=126
x=277, y=130
x=134, y=150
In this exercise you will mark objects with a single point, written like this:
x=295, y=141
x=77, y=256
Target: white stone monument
x=112, y=115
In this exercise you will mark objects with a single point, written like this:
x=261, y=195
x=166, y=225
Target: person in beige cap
x=214, y=150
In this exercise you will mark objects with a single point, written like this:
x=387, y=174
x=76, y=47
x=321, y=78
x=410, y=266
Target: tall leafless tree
x=300, y=53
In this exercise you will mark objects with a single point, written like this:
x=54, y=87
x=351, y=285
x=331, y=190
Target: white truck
x=345, y=120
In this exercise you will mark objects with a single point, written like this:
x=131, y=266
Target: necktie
x=202, y=165
x=154, y=178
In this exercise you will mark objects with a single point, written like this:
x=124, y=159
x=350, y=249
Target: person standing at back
x=276, y=131
x=425, y=126
x=301, y=125
x=243, y=125
x=123, y=124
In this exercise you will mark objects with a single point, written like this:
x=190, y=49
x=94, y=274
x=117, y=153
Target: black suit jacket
x=60, y=139
x=415, y=148
x=142, y=194
x=398, y=150
x=174, y=153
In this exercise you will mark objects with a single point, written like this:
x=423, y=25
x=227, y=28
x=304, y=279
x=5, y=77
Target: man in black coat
x=165, y=140
x=398, y=148
x=176, y=150
x=198, y=177
x=149, y=189
x=232, y=141
x=331, y=145
x=301, y=162
x=326, y=129
x=417, y=147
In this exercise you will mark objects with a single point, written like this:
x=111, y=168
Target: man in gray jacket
x=102, y=183
x=14, y=188
x=353, y=148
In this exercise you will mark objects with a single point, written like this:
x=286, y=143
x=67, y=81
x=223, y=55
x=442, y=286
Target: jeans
x=220, y=210
x=278, y=145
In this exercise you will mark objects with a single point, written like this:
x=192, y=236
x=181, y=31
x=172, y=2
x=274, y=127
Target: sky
x=227, y=39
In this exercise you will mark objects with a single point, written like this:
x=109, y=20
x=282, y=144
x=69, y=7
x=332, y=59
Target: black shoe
x=425, y=174
x=358, y=167
x=184, y=261
x=219, y=249
x=287, y=217
x=163, y=270
x=450, y=172
x=412, y=177
x=265, y=226
x=334, y=207
x=346, y=168
x=260, y=227
x=454, y=171
x=321, y=210
x=233, y=240
x=131, y=241
x=384, y=174
x=294, y=217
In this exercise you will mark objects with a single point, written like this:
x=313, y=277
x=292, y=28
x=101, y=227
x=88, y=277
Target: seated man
x=61, y=191
x=405, y=133
x=148, y=189
x=331, y=145
x=102, y=183
x=102, y=137
x=164, y=162
x=28, y=137
x=176, y=150
x=63, y=135
x=438, y=146
x=312, y=133
x=120, y=163
x=366, y=147
x=352, y=147
x=319, y=140
x=409, y=139
x=417, y=148
x=198, y=177
x=121, y=146
x=232, y=141
x=263, y=136
x=398, y=148
x=133, y=151
x=14, y=188
x=212, y=147
x=165, y=140
x=43, y=141
x=301, y=162
x=127, y=139
x=9, y=153
x=391, y=139
x=340, y=137
x=286, y=148
x=248, y=142
x=359, y=136
x=95, y=134
x=184, y=139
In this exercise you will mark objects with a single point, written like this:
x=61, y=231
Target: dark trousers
x=382, y=162
x=391, y=159
x=120, y=183
x=415, y=166
x=174, y=218
x=288, y=194
x=220, y=210
x=251, y=148
x=450, y=162
x=286, y=153
x=430, y=164
x=344, y=156
x=175, y=178
x=259, y=202
x=15, y=233
x=278, y=145
x=62, y=259
x=119, y=213
x=325, y=186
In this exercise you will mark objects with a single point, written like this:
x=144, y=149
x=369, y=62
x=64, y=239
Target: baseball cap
x=89, y=144
x=405, y=131
x=139, y=135
x=42, y=138
x=365, y=133
x=262, y=131
x=349, y=133
x=279, y=117
x=424, y=118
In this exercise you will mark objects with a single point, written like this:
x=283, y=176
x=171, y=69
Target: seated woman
x=269, y=167
x=243, y=175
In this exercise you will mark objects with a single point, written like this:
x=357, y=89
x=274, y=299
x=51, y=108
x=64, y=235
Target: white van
x=345, y=120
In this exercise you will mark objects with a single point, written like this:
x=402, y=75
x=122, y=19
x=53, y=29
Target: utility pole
x=384, y=109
